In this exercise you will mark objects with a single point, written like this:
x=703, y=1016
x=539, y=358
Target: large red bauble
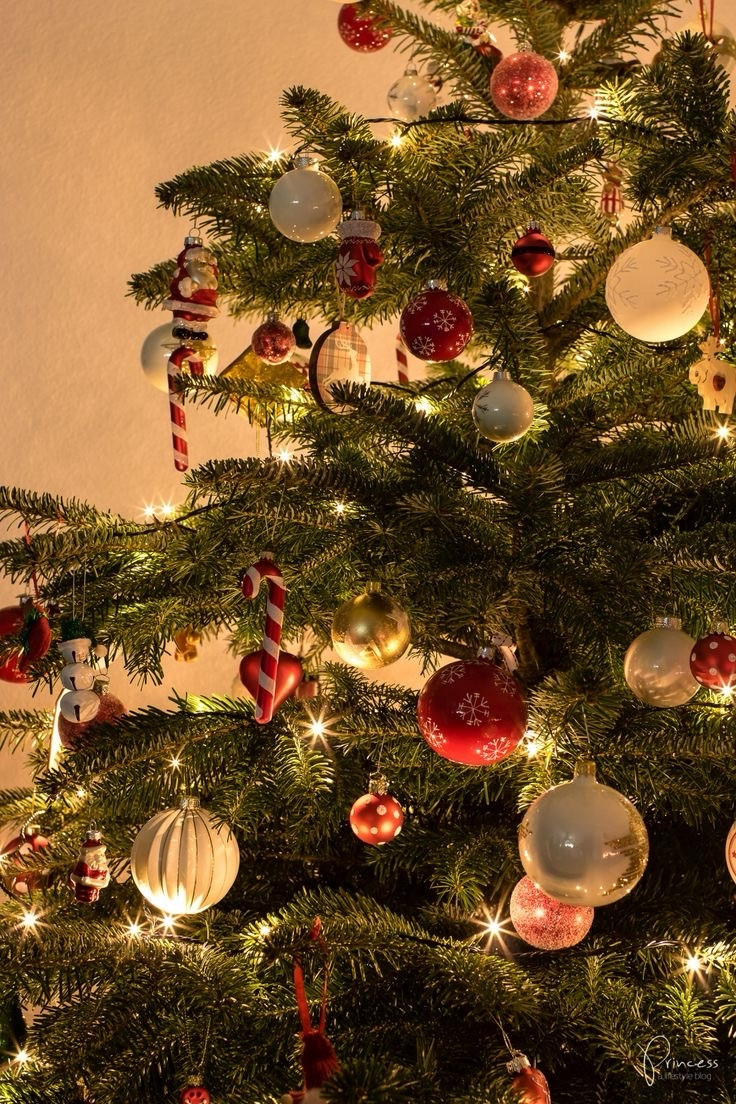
x=472, y=712
x=545, y=923
x=273, y=341
x=523, y=85
x=194, y=1094
x=111, y=710
x=376, y=818
x=532, y=1087
x=436, y=325
x=360, y=32
x=533, y=254
x=289, y=674
x=713, y=661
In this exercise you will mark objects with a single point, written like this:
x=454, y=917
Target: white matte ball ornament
x=182, y=862
x=79, y=706
x=583, y=843
x=158, y=347
x=657, y=665
x=305, y=204
x=78, y=676
x=411, y=97
x=658, y=289
x=503, y=410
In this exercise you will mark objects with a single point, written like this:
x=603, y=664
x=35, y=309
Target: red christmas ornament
x=713, y=660
x=533, y=254
x=90, y=873
x=362, y=32
x=529, y=1082
x=194, y=1094
x=523, y=85
x=358, y=257
x=289, y=674
x=273, y=341
x=111, y=710
x=30, y=842
x=376, y=817
x=28, y=621
x=436, y=325
x=612, y=199
x=545, y=923
x=472, y=712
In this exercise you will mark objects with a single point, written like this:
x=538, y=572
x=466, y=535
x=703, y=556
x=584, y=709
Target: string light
x=532, y=744
x=423, y=405
x=693, y=964
x=29, y=919
x=264, y=930
x=339, y=507
x=396, y=139
x=134, y=929
x=318, y=727
x=563, y=56
x=164, y=511
x=175, y=762
x=284, y=456
x=168, y=923
x=274, y=155
x=22, y=1057
x=723, y=431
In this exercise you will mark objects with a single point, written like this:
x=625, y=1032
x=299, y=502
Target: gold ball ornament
x=370, y=631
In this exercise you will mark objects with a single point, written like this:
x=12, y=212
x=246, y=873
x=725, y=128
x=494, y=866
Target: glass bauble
x=533, y=253
x=411, y=97
x=657, y=665
x=272, y=341
x=713, y=660
x=523, y=85
x=503, y=410
x=436, y=325
x=370, y=631
x=376, y=818
x=305, y=204
x=658, y=289
x=361, y=31
x=544, y=922
x=731, y=851
x=158, y=347
x=583, y=843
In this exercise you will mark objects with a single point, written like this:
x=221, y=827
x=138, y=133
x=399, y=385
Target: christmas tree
x=552, y=473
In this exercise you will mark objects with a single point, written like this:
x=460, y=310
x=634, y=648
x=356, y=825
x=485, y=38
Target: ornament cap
x=500, y=374
x=192, y=239
x=378, y=784
x=373, y=587
x=721, y=627
x=433, y=285
x=411, y=71
x=189, y=802
x=93, y=834
x=518, y=1062
x=306, y=161
x=585, y=768
x=32, y=829
x=662, y=231
x=667, y=621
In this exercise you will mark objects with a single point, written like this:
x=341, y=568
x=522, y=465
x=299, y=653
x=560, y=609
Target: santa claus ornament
x=528, y=1081
x=90, y=873
x=472, y=26
x=358, y=257
x=523, y=85
x=436, y=325
x=533, y=254
x=713, y=660
x=377, y=817
x=273, y=342
x=360, y=31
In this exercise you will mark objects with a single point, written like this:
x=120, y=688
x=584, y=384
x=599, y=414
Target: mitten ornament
x=90, y=873
x=358, y=257
x=714, y=378
x=529, y=1082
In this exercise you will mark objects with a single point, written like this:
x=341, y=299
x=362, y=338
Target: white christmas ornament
x=411, y=96
x=658, y=289
x=158, y=347
x=657, y=665
x=583, y=843
x=182, y=862
x=503, y=410
x=77, y=676
x=75, y=651
x=79, y=706
x=305, y=204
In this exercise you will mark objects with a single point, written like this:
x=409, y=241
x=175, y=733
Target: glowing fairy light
x=22, y=1057
x=175, y=762
x=339, y=507
x=723, y=432
x=284, y=456
x=693, y=964
x=274, y=155
x=396, y=139
x=264, y=930
x=168, y=923
x=532, y=744
x=135, y=930
x=29, y=919
x=563, y=56
x=423, y=405
x=317, y=727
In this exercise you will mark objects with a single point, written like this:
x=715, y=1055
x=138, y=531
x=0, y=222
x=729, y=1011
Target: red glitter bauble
x=713, y=661
x=111, y=710
x=523, y=85
x=273, y=341
x=472, y=712
x=194, y=1094
x=533, y=254
x=544, y=922
x=376, y=818
x=364, y=33
x=436, y=325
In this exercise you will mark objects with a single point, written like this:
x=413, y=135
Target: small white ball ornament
x=411, y=96
x=79, y=706
x=658, y=289
x=158, y=347
x=583, y=843
x=305, y=204
x=657, y=665
x=78, y=676
x=503, y=410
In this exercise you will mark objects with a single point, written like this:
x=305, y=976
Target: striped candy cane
x=180, y=357
x=265, y=568
x=402, y=360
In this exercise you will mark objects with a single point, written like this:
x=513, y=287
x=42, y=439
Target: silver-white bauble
x=583, y=843
x=503, y=410
x=158, y=347
x=305, y=204
x=75, y=651
x=78, y=676
x=411, y=97
x=658, y=289
x=657, y=665
x=79, y=706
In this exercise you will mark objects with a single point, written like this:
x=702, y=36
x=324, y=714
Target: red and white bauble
x=523, y=85
x=713, y=661
x=544, y=922
x=194, y=1094
x=472, y=712
x=273, y=341
x=533, y=254
x=376, y=818
x=436, y=325
x=361, y=31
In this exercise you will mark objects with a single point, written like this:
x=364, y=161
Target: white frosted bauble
x=658, y=289
x=155, y=353
x=411, y=97
x=657, y=665
x=77, y=676
x=305, y=204
x=182, y=862
x=79, y=706
x=503, y=410
x=75, y=651
x=583, y=843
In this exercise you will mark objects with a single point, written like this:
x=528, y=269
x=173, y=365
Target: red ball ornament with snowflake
x=472, y=712
x=523, y=85
x=361, y=31
x=544, y=922
x=436, y=325
x=377, y=817
x=713, y=660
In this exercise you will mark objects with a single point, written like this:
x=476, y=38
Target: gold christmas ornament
x=247, y=366
x=370, y=631
x=186, y=641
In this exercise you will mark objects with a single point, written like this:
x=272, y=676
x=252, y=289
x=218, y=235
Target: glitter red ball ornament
x=376, y=818
x=472, y=712
x=273, y=341
x=194, y=1094
x=533, y=254
x=436, y=325
x=111, y=710
x=523, y=85
x=360, y=31
x=713, y=660
x=544, y=922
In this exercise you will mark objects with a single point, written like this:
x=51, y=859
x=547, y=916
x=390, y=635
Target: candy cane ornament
x=274, y=685
x=181, y=357
x=402, y=360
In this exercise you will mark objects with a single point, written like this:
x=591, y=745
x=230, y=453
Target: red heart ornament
x=289, y=674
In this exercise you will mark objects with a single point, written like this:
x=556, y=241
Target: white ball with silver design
x=658, y=289
x=77, y=676
x=79, y=706
x=158, y=347
x=305, y=204
x=657, y=665
x=503, y=410
x=411, y=97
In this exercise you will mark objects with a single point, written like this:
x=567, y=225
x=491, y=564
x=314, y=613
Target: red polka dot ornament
x=533, y=254
x=377, y=817
x=713, y=660
x=436, y=325
x=544, y=922
x=360, y=31
x=523, y=86
x=194, y=1094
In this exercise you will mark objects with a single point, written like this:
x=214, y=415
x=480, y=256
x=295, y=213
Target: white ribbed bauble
x=158, y=347
x=657, y=665
x=658, y=289
x=503, y=410
x=182, y=862
x=305, y=204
